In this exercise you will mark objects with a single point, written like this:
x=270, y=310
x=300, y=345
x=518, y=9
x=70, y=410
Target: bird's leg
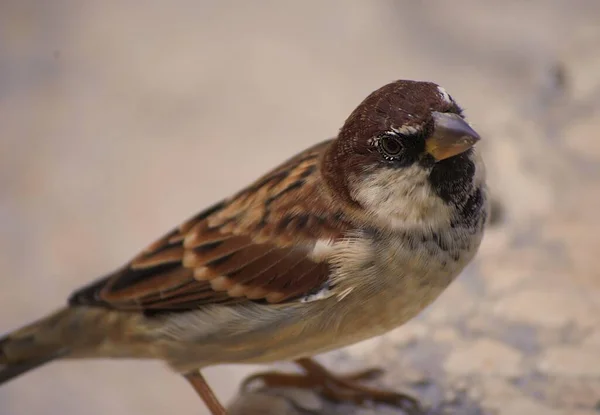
x=343, y=388
x=203, y=389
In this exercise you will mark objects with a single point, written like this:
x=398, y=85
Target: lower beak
x=451, y=136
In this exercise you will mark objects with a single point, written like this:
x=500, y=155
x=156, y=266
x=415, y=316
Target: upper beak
x=451, y=136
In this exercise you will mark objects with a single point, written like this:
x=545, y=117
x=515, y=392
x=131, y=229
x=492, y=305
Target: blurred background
x=120, y=119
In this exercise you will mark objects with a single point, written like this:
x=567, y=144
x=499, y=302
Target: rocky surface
x=117, y=121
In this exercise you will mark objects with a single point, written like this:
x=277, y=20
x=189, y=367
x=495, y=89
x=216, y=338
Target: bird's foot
x=345, y=388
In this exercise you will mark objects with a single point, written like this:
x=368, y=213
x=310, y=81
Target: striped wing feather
x=253, y=247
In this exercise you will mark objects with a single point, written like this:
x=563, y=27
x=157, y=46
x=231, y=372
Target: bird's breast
x=383, y=280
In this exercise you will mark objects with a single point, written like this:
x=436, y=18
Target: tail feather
x=12, y=370
x=29, y=348
x=72, y=332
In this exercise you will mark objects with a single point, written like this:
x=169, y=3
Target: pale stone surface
x=460, y=304
x=497, y=392
x=361, y=349
x=593, y=339
x=485, y=355
x=504, y=272
x=580, y=142
x=565, y=391
x=409, y=334
x=546, y=307
x=446, y=335
x=571, y=361
x=524, y=406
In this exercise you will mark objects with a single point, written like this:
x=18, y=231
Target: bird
x=342, y=242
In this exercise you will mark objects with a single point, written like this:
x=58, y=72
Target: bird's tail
x=75, y=332
x=33, y=345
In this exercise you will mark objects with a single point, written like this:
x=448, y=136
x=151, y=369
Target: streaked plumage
x=347, y=240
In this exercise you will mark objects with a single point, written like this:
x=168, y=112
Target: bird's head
x=406, y=157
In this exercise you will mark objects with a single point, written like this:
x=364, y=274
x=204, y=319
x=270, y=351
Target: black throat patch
x=452, y=181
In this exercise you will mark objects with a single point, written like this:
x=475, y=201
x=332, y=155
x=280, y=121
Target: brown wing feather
x=253, y=246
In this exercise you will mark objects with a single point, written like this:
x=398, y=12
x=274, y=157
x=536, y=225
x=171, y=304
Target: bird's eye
x=390, y=146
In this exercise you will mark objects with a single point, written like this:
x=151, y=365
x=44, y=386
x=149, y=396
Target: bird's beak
x=451, y=136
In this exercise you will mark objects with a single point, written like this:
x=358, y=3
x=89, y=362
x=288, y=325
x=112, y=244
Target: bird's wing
x=255, y=246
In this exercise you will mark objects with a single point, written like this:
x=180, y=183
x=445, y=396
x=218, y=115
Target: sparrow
x=345, y=241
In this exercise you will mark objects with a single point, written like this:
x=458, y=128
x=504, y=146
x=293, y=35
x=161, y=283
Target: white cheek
x=402, y=198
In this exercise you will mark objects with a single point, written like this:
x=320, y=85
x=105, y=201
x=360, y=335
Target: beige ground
x=120, y=118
